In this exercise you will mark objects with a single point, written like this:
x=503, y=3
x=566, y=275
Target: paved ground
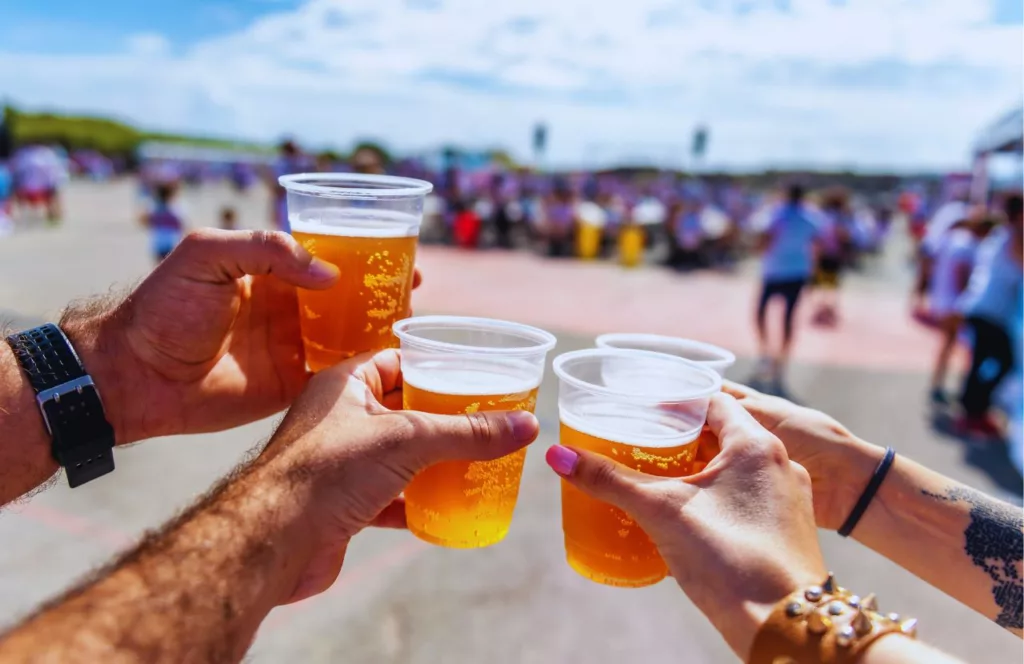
x=401, y=601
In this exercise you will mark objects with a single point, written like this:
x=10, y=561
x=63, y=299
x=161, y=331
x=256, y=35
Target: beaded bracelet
x=824, y=624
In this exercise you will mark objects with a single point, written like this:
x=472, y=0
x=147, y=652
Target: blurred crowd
x=967, y=254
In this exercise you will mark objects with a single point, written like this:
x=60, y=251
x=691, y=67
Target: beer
x=603, y=543
x=466, y=504
x=373, y=291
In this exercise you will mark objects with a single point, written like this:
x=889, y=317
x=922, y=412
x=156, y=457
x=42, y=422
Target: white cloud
x=147, y=44
x=871, y=82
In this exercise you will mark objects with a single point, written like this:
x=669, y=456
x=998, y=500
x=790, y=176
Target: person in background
x=989, y=304
x=228, y=218
x=6, y=190
x=952, y=262
x=501, y=216
x=466, y=226
x=164, y=221
x=788, y=245
x=832, y=245
x=685, y=234
x=559, y=224
x=289, y=161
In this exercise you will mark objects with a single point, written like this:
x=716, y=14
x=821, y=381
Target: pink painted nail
x=562, y=460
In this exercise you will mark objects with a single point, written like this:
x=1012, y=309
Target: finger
x=219, y=256
x=417, y=277
x=604, y=479
x=479, y=436
x=392, y=516
x=738, y=390
x=382, y=371
x=730, y=422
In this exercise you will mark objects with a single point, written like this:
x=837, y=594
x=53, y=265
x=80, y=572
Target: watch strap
x=82, y=438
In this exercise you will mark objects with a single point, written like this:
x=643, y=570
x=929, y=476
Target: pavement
x=401, y=601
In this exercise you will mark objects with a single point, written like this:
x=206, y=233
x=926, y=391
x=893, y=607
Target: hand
x=738, y=536
x=839, y=463
x=351, y=453
x=208, y=341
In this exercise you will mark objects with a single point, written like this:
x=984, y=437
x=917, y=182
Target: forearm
x=195, y=593
x=901, y=650
x=959, y=540
x=25, y=457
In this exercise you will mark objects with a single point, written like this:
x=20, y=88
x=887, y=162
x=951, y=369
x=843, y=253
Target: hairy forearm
x=25, y=457
x=195, y=593
x=961, y=541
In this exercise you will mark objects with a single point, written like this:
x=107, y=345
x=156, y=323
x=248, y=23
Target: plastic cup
x=709, y=355
x=454, y=365
x=368, y=226
x=650, y=423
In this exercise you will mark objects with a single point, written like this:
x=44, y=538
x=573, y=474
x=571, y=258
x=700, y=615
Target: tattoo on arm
x=994, y=541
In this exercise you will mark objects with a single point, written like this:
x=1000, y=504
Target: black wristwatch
x=83, y=439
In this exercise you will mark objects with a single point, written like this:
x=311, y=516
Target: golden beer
x=465, y=504
x=355, y=315
x=603, y=543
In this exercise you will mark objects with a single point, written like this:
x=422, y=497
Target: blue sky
x=861, y=83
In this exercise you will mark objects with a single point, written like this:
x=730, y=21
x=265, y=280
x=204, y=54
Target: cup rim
x=354, y=185
x=727, y=357
x=545, y=341
x=714, y=387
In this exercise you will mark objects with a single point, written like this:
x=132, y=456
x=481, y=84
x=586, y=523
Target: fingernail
x=562, y=460
x=523, y=425
x=321, y=270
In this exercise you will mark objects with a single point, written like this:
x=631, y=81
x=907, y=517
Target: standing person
x=500, y=215
x=6, y=189
x=953, y=260
x=289, y=161
x=788, y=246
x=165, y=221
x=989, y=305
x=832, y=245
x=559, y=220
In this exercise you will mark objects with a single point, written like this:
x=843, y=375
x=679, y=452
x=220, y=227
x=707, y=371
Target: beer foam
x=470, y=378
x=629, y=424
x=354, y=222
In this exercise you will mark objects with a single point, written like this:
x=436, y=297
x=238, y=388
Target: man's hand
x=276, y=532
x=208, y=341
x=350, y=451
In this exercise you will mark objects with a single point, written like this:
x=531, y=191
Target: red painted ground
x=592, y=298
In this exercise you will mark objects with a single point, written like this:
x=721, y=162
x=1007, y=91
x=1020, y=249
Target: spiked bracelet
x=824, y=624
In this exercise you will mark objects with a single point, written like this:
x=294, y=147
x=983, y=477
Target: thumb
x=600, y=477
x=218, y=256
x=480, y=436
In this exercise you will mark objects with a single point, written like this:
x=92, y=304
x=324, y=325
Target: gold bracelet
x=824, y=624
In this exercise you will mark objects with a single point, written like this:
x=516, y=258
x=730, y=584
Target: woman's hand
x=349, y=451
x=738, y=536
x=839, y=463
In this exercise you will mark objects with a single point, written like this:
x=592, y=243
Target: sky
x=868, y=84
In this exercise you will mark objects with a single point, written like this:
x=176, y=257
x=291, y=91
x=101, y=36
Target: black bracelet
x=869, y=492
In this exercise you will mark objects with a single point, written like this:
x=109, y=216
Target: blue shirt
x=791, y=236
x=6, y=182
x=994, y=291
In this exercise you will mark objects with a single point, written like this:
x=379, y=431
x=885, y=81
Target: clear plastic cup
x=706, y=354
x=455, y=365
x=368, y=226
x=650, y=423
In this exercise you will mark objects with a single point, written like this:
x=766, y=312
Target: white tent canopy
x=1004, y=135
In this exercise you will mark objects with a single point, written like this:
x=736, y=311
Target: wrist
x=853, y=463
x=98, y=341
